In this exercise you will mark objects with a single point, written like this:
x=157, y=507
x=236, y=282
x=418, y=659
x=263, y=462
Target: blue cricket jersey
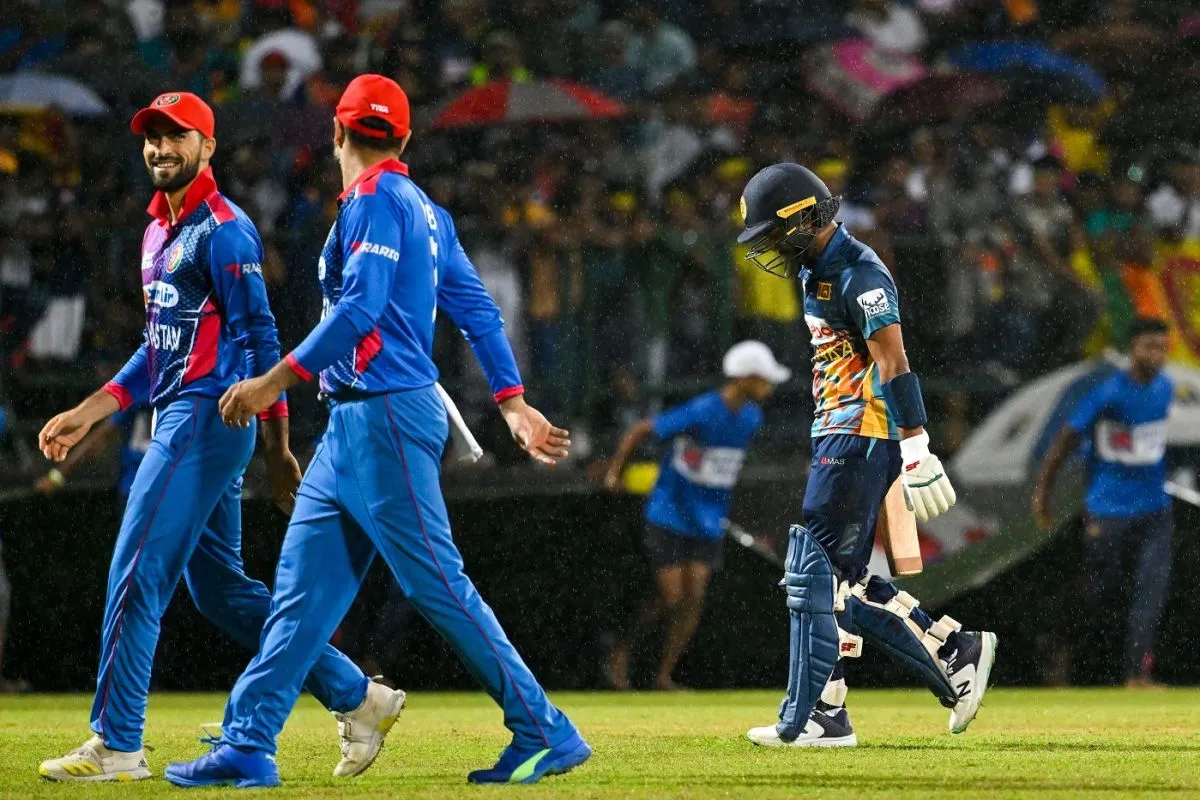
x=848, y=296
x=208, y=321
x=1127, y=424
x=706, y=450
x=391, y=261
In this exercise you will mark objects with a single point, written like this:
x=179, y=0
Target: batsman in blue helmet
x=868, y=428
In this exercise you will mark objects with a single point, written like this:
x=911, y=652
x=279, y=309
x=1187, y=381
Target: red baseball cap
x=374, y=96
x=183, y=108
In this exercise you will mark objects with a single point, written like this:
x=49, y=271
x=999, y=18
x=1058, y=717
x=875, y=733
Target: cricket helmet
x=784, y=207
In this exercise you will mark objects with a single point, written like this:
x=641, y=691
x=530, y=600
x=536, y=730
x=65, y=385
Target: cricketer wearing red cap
x=390, y=265
x=208, y=325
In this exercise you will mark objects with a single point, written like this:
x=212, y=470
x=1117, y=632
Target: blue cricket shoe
x=530, y=765
x=226, y=765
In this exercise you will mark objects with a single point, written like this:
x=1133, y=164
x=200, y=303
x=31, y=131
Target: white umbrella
x=39, y=91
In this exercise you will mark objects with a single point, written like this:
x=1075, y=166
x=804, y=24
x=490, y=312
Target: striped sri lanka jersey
x=848, y=295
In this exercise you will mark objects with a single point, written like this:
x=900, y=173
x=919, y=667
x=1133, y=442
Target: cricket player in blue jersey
x=686, y=510
x=391, y=262
x=208, y=324
x=1124, y=419
x=869, y=427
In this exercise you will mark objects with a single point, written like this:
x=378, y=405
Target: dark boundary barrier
x=559, y=570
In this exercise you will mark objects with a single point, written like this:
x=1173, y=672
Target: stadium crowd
x=1027, y=183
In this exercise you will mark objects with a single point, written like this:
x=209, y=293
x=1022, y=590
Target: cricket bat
x=896, y=528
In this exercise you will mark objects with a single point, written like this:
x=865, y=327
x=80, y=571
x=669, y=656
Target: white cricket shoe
x=968, y=669
x=362, y=730
x=828, y=727
x=92, y=761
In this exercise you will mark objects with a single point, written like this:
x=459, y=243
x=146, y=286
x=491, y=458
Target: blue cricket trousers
x=374, y=486
x=849, y=479
x=184, y=518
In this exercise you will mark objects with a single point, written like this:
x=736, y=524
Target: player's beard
x=184, y=174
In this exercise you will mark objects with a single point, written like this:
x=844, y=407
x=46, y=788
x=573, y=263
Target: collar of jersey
x=829, y=254
x=202, y=188
x=387, y=165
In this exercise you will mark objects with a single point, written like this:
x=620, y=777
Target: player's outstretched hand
x=245, y=399
x=533, y=432
x=927, y=489
x=62, y=433
x=283, y=471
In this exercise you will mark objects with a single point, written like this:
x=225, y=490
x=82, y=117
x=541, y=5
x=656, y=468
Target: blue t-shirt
x=135, y=426
x=1127, y=425
x=705, y=452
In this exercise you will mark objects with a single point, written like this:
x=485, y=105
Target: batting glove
x=927, y=489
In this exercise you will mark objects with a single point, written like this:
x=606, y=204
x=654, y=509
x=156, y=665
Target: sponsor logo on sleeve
x=239, y=270
x=372, y=249
x=874, y=303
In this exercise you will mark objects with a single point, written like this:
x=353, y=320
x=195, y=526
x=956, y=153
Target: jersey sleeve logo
x=176, y=258
x=370, y=248
x=874, y=303
x=824, y=290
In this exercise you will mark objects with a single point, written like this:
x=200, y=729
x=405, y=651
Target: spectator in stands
x=1174, y=207
x=608, y=71
x=1054, y=234
x=282, y=46
x=462, y=28
x=659, y=51
x=501, y=60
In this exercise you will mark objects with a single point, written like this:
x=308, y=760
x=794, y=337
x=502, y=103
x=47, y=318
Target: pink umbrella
x=536, y=101
x=853, y=75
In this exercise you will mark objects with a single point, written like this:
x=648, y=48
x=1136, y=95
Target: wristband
x=56, y=478
x=903, y=397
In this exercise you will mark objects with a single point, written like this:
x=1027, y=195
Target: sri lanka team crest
x=175, y=259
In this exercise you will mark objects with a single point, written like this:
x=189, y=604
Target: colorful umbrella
x=935, y=99
x=536, y=101
x=853, y=75
x=39, y=91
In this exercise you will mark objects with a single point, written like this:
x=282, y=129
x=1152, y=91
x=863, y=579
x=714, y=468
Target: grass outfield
x=1025, y=743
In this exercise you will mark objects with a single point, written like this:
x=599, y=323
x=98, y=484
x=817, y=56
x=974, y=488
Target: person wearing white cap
x=706, y=441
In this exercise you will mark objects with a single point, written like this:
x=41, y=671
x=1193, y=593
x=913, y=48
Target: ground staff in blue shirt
x=391, y=262
x=706, y=440
x=208, y=325
x=1124, y=420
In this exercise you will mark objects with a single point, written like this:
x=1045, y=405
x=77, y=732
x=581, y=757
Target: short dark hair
x=387, y=144
x=1144, y=325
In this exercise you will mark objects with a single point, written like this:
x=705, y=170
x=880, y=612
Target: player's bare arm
x=1064, y=444
x=283, y=471
x=886, y=346
x=633, y=437
x=67, y=429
